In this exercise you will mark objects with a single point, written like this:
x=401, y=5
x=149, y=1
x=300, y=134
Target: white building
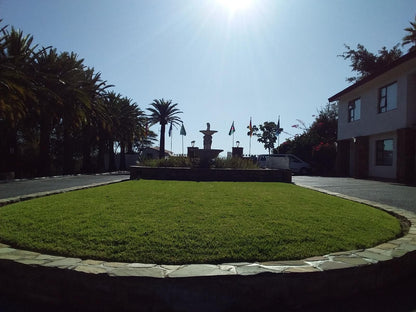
x=377, y=124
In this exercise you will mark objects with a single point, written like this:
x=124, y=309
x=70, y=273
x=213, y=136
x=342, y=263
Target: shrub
x=173, y=161
x=235, y=163
x=178, y=161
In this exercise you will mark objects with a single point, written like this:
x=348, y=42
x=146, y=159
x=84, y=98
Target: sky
x=221, y=61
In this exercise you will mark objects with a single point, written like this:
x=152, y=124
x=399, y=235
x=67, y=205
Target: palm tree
x=125, y=126
x=163, y=112
x=15, y=54
x=410, y=38
x=16, y=89
x=48, y=69
x=131, y=118
x=76, y=104
x=95, y=88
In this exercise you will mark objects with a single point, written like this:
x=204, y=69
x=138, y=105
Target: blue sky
x=275, y=57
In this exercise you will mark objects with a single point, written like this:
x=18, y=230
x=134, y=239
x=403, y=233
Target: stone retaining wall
x=63, y=288
x=201, y=174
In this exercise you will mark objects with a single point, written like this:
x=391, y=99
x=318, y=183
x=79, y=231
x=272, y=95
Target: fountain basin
x=206, y=156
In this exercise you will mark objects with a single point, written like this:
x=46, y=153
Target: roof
x=157, y=149
x=394, y=64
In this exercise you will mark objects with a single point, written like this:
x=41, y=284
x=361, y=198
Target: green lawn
x=193, y=222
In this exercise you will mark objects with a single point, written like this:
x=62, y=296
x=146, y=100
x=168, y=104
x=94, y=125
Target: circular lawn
x=175, y=222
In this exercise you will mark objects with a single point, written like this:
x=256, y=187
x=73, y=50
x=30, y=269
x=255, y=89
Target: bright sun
x=236, y=5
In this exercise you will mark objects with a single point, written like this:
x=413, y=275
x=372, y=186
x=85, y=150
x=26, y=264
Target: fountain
x=207, y=154
x=203, y=172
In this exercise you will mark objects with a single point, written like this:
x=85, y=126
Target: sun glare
x=236, y=5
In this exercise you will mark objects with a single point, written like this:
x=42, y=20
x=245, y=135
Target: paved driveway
x=391, y=194
x=50, y=184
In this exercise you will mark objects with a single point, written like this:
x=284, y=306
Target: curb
x=64, y=175
x=16, y=199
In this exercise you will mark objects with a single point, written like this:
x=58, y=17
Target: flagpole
x=278, y=131
x=278, y=142
x=233, y=139
x=250, y=128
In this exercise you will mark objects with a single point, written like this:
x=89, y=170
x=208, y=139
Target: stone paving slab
x=144, y=272
x=354, y=261
x=193, y=270
x=90, y=269
x=302, y=270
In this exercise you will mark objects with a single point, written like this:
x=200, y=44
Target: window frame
x=384, y=157
x=385, y=108
x=352, y=110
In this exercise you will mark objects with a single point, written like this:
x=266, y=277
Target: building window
x=387, y=98
x=384, y=152
x=354, y=109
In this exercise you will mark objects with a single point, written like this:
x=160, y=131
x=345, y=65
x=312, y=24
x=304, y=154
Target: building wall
x=406, y=155
x=371, y=121
x=411, y=101
x=398, y=124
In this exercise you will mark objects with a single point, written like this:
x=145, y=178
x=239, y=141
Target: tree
x=266, y=134
x=365, y=63
x=16, y=52
x=163, y=112
x=53, y=111
x=317, y=142
x=48, y=70
x=95, y=89
x=253, y=131
x=410, y=38
x=130, y=121
x=16, y=88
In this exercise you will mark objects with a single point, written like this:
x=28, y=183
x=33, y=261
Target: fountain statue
x=208, y=136
x=207, y=154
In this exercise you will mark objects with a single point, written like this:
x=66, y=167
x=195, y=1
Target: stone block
x=90, y=269
x=64, y=263
x=199, y=270
x=304, y=269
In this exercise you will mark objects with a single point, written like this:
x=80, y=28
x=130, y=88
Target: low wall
x=69, y=290
x=202, y=174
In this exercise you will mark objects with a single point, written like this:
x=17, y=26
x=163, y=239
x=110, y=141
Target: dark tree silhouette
x=163, y=112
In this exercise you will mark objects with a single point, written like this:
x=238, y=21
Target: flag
x=183, y=132
x=278, y=129
x=250, y=127
x=170, y=129
x=232, y=129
